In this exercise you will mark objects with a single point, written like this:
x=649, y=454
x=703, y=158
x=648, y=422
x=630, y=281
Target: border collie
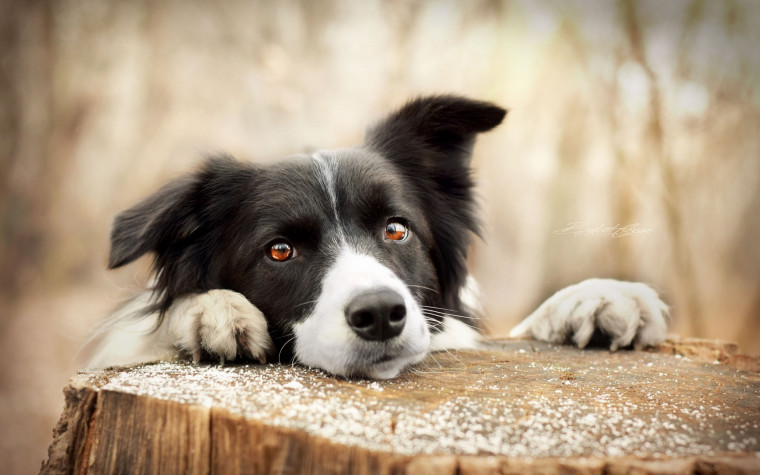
x=350, y=260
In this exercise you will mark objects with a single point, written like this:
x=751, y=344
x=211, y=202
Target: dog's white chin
x=358, y=367
x=344, y=354
x=391, y=369
x=324, y=340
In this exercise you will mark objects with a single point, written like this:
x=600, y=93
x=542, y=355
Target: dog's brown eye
x=281, y=251
x=396, y=230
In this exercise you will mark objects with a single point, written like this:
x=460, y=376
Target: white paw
x=221, y=322
x=629, y=312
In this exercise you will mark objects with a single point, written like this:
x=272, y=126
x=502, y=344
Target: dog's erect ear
x=430, y=141
x=443, y=124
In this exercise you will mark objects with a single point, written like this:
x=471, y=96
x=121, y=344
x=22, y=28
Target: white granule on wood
x=657, y=406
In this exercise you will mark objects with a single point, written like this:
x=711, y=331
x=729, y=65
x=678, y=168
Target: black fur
x=212, y=229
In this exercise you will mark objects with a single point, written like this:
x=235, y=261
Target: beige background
x=620, y=113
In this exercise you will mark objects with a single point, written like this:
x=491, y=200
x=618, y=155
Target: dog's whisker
x=434, y=319
x=419, y=371
x=279, y=355
x=423, y=287
x=438, y=312
x=439, y=309
x=458, y=317
x=436, y=361
x=453, y=355
x=304, y=303
x=442, y=309
x=442, y=313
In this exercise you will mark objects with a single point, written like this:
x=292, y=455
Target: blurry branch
x=693, y=16
x=672, y=195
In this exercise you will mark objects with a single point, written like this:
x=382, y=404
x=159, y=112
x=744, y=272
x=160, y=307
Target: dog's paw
x=220, y=322
x=627, y=312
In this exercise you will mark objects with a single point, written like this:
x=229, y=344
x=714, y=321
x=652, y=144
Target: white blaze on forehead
x=325, y=340
x=326, y=176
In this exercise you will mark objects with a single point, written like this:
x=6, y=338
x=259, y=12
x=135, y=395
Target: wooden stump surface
x=688, y=406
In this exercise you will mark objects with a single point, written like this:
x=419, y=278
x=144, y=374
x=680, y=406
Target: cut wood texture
x=522, y=406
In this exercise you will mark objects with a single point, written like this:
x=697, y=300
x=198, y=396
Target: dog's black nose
x=377, y=315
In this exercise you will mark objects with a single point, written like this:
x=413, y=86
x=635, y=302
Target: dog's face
x=343, y=251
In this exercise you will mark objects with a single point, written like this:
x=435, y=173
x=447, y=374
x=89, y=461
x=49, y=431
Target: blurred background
x=640, y=114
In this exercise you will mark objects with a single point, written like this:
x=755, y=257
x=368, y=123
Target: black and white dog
x=352, y=261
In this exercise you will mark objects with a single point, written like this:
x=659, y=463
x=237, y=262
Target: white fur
x=455, y=335
x=126, y=337
x=629, y=312
x=324, y=340
x=221, y=322
x=471, y=297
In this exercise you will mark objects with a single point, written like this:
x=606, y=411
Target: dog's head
x=343, y=250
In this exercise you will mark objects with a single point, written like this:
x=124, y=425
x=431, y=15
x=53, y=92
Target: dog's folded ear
x=178, y=222
x=443, y=124
x=164, y=218
x=179, y=214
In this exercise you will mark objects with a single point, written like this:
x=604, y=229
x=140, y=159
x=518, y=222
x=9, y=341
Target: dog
x=352, y=261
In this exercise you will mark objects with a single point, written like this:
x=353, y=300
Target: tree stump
x=688, y=406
